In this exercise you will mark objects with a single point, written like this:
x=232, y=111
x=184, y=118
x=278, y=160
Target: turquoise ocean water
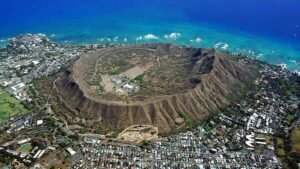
x=267, y=30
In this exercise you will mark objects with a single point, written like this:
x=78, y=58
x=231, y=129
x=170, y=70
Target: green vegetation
x=101, y=89
x=97, y=81
x=290, y=117
x=187, y=119
x=50, y=54
x=288, y=87
x=120, y=63
x=25, y=148
x=296, y=140
x=114, y=69
x=52, y=121
x=10, y=106
x=5, y=159
x=280, y=147
x=2, y=49
x=117, y=66
x=139, y=79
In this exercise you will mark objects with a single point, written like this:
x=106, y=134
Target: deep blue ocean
x=265, y=29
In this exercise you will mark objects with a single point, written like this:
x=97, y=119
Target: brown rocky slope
x=222, y=79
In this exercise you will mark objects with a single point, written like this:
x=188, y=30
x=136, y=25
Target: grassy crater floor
x=10, y=106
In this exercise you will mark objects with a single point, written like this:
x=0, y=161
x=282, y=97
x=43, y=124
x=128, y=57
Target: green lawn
x=9, y=106
x=25, y=148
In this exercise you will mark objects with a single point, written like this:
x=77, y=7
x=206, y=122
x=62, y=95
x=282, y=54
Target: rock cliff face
x=222, y=78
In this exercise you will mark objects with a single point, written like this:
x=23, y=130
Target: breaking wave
x=172, y=36
x=150, y=36
x=221, y=45
x=197, y=40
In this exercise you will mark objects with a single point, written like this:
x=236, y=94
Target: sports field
x=9, y=106
x=25, y=148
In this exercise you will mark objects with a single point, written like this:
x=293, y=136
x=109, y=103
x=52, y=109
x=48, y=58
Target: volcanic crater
x=163, y=85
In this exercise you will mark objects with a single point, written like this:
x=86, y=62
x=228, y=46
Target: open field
x=134, y=72
x=9, y=106
x=108, y=85
x=25, y=148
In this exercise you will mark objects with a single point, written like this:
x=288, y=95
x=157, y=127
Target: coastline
x=202, y=35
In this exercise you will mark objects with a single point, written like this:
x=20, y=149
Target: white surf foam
x=295, y=62
x=297, y=72
x=4, y=40
x=172, y=36
x=150, y=36
x=197, y=40
x=225, y=46
x=139, y=38
x=221, y=45
x=283, y=65
x=259, y=56
x=116, y=39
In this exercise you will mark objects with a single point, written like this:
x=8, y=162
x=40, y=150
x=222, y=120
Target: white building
x=71, y=151
x=128, y=86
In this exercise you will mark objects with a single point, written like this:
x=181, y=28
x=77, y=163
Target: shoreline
x=272, y=52
x=287, y=58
